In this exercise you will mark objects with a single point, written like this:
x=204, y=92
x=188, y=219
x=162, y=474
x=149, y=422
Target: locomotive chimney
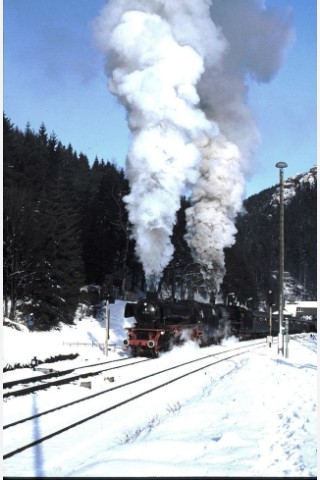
x=152, y=295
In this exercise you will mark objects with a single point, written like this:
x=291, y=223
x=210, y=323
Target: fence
x=113, y=346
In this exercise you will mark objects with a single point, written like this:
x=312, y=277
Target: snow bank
x=86, y=338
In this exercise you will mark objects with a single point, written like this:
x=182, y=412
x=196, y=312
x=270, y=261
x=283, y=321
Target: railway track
x=42, y=382
x=301, y=338
x=20, y=434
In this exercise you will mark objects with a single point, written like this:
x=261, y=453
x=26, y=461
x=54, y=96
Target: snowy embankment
x=255, y=415
x=86, y=339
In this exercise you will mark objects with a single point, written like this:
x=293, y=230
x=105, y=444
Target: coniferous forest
x=65, y=226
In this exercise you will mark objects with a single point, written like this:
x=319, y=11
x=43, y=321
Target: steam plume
x=181, y=70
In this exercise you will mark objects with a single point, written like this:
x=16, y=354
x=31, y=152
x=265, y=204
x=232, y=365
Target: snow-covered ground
x=255, y=415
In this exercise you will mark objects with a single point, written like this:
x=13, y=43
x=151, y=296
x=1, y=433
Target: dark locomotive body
x=162, y=324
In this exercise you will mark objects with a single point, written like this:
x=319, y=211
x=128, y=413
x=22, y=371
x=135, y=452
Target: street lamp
x=281, y=166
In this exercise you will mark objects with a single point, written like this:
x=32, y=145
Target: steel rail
x=88, y=397
x=63, y=381
x=128, y=400
x=57, y=373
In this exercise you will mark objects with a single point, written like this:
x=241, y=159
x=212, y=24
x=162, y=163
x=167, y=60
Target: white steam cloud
x=181, y=69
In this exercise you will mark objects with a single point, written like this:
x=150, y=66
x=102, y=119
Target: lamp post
x=281, y=166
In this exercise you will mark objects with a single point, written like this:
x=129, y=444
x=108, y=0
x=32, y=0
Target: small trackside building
x=302, y=309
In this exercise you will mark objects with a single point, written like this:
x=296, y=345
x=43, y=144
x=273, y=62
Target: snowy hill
x=292, y=185
x=88, y=334
x=257, y=247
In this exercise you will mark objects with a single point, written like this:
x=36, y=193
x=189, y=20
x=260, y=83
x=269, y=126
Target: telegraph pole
x=108, y=291
x=107, y=325
x=281, y=166
x=270, y=301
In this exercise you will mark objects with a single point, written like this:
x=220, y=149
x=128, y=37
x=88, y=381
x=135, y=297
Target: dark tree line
x=253, y=262
x=65, y=225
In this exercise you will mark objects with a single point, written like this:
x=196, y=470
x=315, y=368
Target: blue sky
x=53, y=73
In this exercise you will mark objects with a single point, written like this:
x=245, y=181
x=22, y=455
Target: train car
x=296, y=325
x=245, y=324
x=242, y=322
x=161, y=324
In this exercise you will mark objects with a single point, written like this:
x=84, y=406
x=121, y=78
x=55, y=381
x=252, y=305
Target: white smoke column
x=155, y=57
x=182, y=69
x=257, y=39
x=216, y=198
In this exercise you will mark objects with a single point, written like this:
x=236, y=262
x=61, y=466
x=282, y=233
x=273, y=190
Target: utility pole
x=107, y=325
x=108, y=291
x=270, y=301
x=281, y=166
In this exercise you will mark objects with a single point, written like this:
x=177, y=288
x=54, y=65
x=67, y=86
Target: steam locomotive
x=161, y=324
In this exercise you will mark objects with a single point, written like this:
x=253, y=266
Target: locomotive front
x=162, y=324
x=148, y=334
x=148, y=312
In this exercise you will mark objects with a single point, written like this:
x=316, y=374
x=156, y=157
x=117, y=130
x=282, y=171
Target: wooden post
x=107, y=326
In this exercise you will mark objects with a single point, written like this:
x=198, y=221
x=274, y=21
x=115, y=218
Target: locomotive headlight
x=126, y=342
x=151, y=343
x=162, y=333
